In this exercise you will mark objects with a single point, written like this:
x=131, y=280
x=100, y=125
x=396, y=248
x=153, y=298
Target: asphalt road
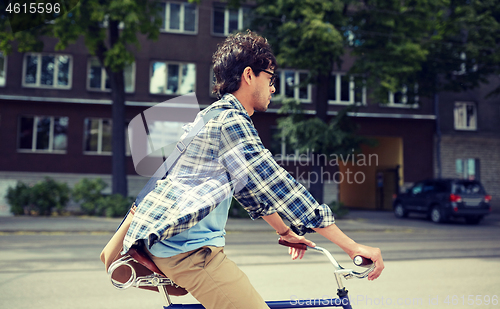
x=427, y=266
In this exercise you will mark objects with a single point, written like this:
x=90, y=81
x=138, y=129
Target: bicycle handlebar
x=347, y=273
x=362, y=261
x=297, y=245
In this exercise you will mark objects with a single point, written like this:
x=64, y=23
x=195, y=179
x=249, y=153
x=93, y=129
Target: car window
x=468, y=187
x=417, y=189
x=428, y=187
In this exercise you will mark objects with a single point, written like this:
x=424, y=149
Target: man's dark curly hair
x=240, y=50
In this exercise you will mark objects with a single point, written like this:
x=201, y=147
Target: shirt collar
x=230, y=98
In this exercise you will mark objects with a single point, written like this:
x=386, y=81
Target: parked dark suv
x=442, y=199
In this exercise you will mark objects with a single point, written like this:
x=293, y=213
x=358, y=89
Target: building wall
x=483, y=143
x=487, y=150
x=488, y=110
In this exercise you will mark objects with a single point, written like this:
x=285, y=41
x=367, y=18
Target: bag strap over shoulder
x=177, y=152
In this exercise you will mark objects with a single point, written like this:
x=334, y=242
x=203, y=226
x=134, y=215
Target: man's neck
x=242, y=97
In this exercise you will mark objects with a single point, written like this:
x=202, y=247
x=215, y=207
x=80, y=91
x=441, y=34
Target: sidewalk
x=356, y=221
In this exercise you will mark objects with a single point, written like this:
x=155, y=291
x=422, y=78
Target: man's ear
x=247, y=76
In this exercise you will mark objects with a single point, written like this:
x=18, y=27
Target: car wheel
x=400, y=211
x=473, y=220
x=436, y=215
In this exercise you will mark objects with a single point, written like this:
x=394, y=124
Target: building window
x=465, y=116
x=180, y=17
x=43, y=134
x=225, y=20
x=346, y=89
x=47, y=71
x=3, y=69
x=212, y=82
x=282, y=149
x=163, y=136
x=98, y=79
x=172, y=78
x=290, y=84
x=467, y=169
x=97, y=135
x=408, y=96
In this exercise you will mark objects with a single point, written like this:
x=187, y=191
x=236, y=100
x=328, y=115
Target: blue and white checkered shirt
x=226, y=155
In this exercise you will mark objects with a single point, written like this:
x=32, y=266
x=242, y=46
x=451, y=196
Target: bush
x=115, y=205
x=19, y=198
x=338, y=209
x=39, y=199
x=88, y=193
x=48, y=194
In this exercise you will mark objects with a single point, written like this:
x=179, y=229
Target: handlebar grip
x=293, y=245
x=362, y=261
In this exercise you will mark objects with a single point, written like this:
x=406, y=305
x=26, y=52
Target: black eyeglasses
x=273, y=77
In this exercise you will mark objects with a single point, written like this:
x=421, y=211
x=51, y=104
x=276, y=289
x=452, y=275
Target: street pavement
x=356, y=220
x=52, y=263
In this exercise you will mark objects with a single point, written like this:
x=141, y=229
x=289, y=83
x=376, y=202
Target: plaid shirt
x=226, y=157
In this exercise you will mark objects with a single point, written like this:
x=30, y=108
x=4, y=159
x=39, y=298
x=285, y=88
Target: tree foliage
x=303, y=34
x=306, y=133
x=441, y=45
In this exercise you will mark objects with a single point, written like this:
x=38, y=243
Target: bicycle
x=136, y=256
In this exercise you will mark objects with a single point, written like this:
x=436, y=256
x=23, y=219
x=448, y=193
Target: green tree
x=310, y=35
x=110, y=29
x=441, y=45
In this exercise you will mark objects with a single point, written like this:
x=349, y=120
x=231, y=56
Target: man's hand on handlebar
x=373, y=254
x=294, y=238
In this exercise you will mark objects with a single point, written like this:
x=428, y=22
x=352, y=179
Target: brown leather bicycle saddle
x=144, y=267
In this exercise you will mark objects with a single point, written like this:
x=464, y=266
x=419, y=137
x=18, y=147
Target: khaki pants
x=214, y=280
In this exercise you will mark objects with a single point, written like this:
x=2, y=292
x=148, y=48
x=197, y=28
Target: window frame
x=34, y=135
x=352, y=94
x=99, y=151
x=104, y=74
x=241, y=21
x=211, y=83
x=4, y=57
x=182, y=14
x=166, y=76
x=296, y=90
x=99, y=137
x=468, y=168
x=456, y=124
x=38, y=72
x=404, y=97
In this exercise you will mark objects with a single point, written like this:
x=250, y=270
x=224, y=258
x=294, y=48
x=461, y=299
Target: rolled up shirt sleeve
x=261, y=186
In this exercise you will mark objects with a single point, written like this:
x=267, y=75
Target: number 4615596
x=33, y=8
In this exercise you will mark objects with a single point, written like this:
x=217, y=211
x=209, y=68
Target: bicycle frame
x=161, y=282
